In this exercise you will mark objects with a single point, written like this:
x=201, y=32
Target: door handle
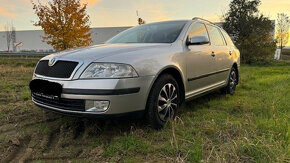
x=213, y=54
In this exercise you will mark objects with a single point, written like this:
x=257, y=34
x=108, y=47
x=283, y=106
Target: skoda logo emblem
x=52, y=61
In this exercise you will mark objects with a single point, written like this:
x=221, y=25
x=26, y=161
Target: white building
x=32, y=39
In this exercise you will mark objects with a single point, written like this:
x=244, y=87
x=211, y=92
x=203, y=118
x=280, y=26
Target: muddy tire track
x=60, y=140
x=55, y=158
x=17, y=152
x=23, y=151
x=12, y=127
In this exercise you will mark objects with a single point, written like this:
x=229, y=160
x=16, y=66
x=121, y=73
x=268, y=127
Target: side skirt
x=204, y=90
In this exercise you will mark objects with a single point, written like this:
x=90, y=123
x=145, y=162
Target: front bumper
x=126, y=96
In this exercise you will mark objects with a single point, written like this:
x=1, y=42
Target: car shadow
x=122, y=125
x=196, y=103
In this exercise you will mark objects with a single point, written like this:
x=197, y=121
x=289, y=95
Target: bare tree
x=13, y=38
x=8, y=30
x=282, y=34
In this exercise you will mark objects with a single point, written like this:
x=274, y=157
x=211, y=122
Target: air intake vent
x=61, y=69
x=64, y=104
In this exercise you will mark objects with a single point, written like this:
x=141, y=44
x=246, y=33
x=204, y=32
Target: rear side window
x=215, y=36
x=228, y=38
x=198, y=29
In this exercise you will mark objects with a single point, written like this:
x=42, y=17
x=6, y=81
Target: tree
x=9, y=35
x=65, y=23
x=282, y=34
x=13, y=38
x=250, y=30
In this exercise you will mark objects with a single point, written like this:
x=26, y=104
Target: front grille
x=64, y=104
x=61, y=69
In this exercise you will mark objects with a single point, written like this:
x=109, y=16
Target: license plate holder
x=46, y=89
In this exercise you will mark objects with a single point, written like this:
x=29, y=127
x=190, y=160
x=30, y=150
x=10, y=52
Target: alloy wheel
x=167, y=102
x=233, y=81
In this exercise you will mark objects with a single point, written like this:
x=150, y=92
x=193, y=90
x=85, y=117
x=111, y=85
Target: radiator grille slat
x=61, y=69
x=65, y=104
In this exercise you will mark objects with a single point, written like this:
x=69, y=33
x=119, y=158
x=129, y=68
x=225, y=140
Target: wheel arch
x=176, y=73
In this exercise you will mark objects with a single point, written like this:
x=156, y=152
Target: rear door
x=200, y=62
x=221, y=54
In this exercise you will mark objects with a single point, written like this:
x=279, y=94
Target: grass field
x=251, y=126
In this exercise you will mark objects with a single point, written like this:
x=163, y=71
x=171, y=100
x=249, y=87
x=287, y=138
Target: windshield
x=164, y=32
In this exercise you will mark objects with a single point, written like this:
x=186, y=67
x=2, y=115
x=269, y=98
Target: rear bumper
x=127, y=97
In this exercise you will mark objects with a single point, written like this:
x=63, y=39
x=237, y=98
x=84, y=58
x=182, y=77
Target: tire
x=232, y=82
x=163, y=101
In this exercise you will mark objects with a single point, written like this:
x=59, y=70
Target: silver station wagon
x=146, y=71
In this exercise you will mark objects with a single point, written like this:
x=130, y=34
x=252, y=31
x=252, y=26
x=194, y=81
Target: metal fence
x=25, y=54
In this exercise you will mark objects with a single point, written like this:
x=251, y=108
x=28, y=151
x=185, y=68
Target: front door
x=200, y=62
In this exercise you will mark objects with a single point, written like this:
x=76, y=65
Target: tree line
x=252, y=32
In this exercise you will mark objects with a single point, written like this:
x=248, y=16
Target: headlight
x=109, y=70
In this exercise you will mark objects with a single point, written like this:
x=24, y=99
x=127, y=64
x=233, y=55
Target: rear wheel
x=232, y=82
x=163, y=101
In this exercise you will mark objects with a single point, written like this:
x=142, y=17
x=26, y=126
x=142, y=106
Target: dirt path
x=43, y=140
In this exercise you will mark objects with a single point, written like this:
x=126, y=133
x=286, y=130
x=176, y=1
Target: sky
x=111, y=13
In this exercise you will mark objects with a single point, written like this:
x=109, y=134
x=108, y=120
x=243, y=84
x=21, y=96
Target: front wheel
x=163, y=101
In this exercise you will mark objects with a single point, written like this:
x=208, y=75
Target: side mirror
x=197, y=40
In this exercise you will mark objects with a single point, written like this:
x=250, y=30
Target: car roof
x=169, y=21
x=186, y=21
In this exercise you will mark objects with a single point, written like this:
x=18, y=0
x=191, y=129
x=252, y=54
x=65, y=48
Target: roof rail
x=197, y=18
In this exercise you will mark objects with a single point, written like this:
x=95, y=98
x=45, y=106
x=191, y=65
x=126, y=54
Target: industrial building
x=32, y=39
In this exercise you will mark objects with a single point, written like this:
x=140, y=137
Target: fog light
x=97, y=106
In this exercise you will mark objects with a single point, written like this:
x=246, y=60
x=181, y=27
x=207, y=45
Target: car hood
x=96, y=52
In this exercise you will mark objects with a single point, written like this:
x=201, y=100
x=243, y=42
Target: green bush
x=256, y=49
x=286, y=52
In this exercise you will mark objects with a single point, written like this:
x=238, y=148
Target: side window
x=215, y=36
x=228, y=38
x=198, y=29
